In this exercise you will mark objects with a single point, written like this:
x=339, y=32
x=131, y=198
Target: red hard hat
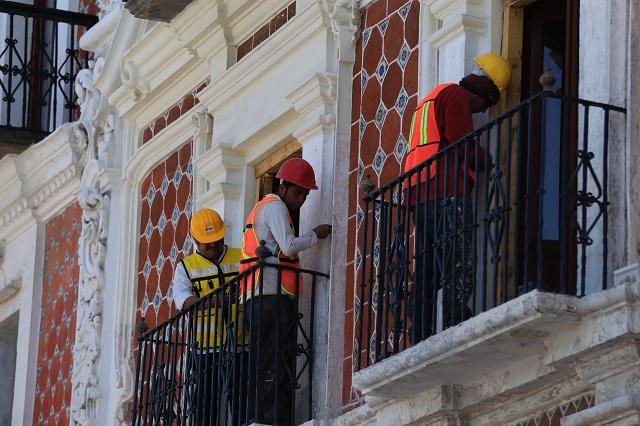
x=298, y=172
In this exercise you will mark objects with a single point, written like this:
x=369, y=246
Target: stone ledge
x=157, y=10
x=494, y=339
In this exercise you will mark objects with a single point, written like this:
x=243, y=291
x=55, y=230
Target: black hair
x=287, y=184
x=482, y=86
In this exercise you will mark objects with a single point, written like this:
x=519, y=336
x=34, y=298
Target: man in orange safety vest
x=270, y=294
x=439, y=192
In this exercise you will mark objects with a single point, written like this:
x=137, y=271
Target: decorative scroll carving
x=90, y=138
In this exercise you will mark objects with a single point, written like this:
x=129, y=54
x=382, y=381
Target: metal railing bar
x=46, y=13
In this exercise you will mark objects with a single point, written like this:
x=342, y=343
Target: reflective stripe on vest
x=250, y=244
x=205, y=278
x=424, y=136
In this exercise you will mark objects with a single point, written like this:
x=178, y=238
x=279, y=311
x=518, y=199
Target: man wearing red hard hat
x=270, y=294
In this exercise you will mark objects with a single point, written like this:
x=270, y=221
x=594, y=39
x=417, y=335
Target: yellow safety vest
x=205, y=277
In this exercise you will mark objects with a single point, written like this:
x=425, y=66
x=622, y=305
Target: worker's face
x=479, y=104
x=211, y=251
x=293, y=196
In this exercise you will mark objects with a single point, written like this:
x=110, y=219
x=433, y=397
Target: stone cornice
x=45, y=174
x=442, y=9
x=458, y=25
x=53, y=196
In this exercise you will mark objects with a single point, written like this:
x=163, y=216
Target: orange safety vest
x=424, y=137
x=250, y=242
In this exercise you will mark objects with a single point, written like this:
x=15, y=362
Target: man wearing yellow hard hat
x=196, y=276
x=440, y=194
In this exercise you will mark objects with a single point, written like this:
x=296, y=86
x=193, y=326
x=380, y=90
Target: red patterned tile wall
x=177, y=110
x=164, y=227
x=266, y=31
x=58, y=320
x=88, y=6
x=554, y=415
x=385, y=85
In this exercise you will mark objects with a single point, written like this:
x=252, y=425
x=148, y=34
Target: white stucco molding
x=315, y=101
x=449, y=9
x=99, y=37
x=156, y=150
x=458, y=26
x=221, y=168
x=43, y=179
x=168, y=61
x=317, y=93
x=92, y=140
x=258, y=62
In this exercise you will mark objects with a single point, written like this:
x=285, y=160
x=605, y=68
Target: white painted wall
x=8, y=350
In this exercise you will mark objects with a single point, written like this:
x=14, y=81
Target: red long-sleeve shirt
x=452, y=107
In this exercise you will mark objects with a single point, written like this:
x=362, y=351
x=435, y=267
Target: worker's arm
x=453, y=109
x=277, y=218
x=182, y=294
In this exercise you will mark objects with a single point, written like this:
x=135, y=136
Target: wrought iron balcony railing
x=520, y=204
x=39, y=60
x=234, y=357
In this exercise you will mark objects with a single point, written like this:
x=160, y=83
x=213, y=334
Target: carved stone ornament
x=91, y=140
x=345, y=16
x=106, y=6
x=137, y=88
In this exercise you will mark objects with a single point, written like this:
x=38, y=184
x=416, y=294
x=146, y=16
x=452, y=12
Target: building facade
x=195, y=103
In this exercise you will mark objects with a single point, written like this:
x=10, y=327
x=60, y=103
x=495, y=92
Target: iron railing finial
x=547, y=80
x=366, y=185
x=141, y=326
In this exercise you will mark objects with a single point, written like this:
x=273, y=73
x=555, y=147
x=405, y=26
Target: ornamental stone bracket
x=315, y=102
x=218, y=176
x=157, y=10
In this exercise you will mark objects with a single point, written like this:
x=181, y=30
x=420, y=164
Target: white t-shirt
x=271, y=224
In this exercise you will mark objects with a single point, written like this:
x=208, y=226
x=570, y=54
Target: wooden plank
x=278, y=156
x=512, y=45
x=512, y=35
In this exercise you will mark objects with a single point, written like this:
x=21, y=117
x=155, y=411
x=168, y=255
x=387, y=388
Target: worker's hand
x=322, y=231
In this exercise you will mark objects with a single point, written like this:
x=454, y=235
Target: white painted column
x=632, y=152
x=30, y=301
x=602, y=78
x=458, y=30
x=314, y=101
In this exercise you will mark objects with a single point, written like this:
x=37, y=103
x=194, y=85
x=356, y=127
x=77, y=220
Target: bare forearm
x=189, y=302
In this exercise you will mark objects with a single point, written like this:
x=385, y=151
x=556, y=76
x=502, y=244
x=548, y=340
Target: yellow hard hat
x=496, y=67
x=207, y=226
